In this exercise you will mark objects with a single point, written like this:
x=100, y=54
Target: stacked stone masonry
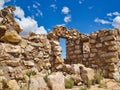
x=98, y=50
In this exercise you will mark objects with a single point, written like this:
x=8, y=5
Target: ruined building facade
x=98, y=50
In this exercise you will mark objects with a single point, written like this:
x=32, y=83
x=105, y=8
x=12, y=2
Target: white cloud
x=65, y=10
x=28, y=7
x=41, y=30
x=53, y=6
x=19, y=12
x=7, y=0
x=2, y=2
x=67, y=18
x=36, y=5
x=90, y=7
x=109, y=14
x=27, y=23
x=80, y=1
x=102, y=21
x=39, y=13
x=114, y=13
x=116, y=22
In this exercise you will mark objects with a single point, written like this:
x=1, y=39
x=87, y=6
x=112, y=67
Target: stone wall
x=99, y=50
x=33, y=52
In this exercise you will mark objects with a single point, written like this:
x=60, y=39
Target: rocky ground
x=107, y=84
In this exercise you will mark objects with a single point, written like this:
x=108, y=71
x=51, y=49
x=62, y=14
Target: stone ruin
x=98, y=50
x=39, y=52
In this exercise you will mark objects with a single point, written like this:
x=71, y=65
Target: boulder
x=12, y=85
x=3, y=82
x=56, y=81
x=87, y=74
x=12, y=36
x=38, y=83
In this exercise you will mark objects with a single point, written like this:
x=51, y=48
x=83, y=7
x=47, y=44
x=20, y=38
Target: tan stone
x=99, y=45
x=111, y=60
x=109, y=55
x=29, y=48
x=12, y=85
x=59, y=60
x=29, y=63
x=113, y=48
x=56, y=81
x=38, y=83
x=12, y=63
x=67, y=68
x=87, y=74
x=12, y=49
x=1, y=72
x=3, y=28
x=77, y=47
x=12, y=36
x=23, y=43
x=106, y=38
x=3, y=82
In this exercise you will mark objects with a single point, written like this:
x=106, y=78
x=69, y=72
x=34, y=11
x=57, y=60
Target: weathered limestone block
x=29, y=48
x=12, y=85
x=56, y=43
x=76, y=68
x=12, y=49
x=77, y=51
x=12, y=36
x=94, y=50
x=86, y=47
x=116, y=76
x=108, y=38
x=13, y=63
x=92, y=41
x=113, y=48
x=77, y=41
x=92, y=55
x=109, y=55
x=59, y=60
x=87, y=74
x=67, y=68
x=112, y=67
x=77, y=47
x=110, y=43
x=56, y=81
x=29, y=63
x=23, y=43
x=38, y=83
x=111, y=60
x=57, y=48
x=3, y=82
x=98, y=45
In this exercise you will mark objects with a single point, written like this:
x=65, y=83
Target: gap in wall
x=63, y=45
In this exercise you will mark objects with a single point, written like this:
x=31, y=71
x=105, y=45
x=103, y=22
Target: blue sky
x=87, y=16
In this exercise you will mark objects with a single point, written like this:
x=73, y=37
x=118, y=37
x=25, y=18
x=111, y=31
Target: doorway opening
x=63, y=45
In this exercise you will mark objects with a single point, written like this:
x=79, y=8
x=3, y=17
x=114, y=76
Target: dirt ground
x=106, y=84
